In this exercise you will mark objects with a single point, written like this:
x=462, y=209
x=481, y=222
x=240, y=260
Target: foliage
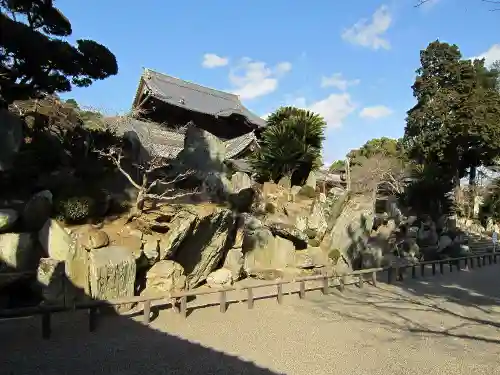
x=75, y=209
x=290, y=145
x=334, y=255
x=36, y=59
x=428, y=192
x=157, y=185
x=56, y=140
x=379, y=172
x=90, y=119
x=495, y=69
x=383, y=146
x=491, y=204
x=337, y=165
x=455, y=124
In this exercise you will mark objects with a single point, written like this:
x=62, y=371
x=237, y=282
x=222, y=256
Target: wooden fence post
x=326, y=286
x=342, y=283
x=302, y=289
x=458, y=265
x=147, y=311
x=280, y=293
x=479, y=261
x=374, y=278
x=422, y=270
x=250, y=298
x=390, y=271
x=361, y=281
x=450, y=264
x=183, y=309
x=471, y=261
x=46, y=327
x=433, y=269
x=223, y=301
x=92, y=319
x=413, y=271
x=441, y=267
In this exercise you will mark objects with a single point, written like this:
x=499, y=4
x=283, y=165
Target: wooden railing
x=181, y=299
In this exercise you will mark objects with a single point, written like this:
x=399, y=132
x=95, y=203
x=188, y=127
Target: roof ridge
x=197, y=87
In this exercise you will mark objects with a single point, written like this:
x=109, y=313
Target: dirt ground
x=438, y=325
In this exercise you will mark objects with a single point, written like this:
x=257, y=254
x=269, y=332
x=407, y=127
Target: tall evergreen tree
x=455, y=124
x=35, y=57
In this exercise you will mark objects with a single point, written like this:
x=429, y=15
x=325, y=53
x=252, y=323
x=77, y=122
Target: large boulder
x=283, y=254
x=8, y=218
x=240, y=181
x=234, y=262
x=444, y=242
x=55, y=240
x=309, y=188
x=220, y=278
x=112, y=274
x=166, y=276
x=290, y=232
x=262, y=250
x=94, y=239
x=316, y=222
x=285, y=182
x=216, y=185
x=203, y=151
x=203, y=250
x=18, y=252
x=371, y=257
x=37, y=211
x=51, y=278
x=180, y=227
x=243, y=200
x=319, y=256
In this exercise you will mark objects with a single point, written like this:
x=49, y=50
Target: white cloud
x=338, y=81
x=283, y=67
x=334, y=108
x=252, y=79
x=368, y=33
x=375, y=112
x=211, y=60
x=490, y=56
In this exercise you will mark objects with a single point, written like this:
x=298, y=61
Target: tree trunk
x=472, y=190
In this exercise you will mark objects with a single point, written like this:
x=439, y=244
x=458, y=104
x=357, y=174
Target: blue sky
x=351, y=61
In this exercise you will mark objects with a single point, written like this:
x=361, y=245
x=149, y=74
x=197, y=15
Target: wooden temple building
x=163, y=105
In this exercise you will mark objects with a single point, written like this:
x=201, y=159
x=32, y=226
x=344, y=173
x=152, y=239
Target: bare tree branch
x=145, y=188
x=378, y=171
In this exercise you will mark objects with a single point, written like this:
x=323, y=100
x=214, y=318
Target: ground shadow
x=459, y=305
x=118, y=345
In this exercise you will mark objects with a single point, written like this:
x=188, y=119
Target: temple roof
x=168, y=143
x=193, y=97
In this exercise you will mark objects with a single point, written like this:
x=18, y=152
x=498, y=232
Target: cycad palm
x=290, y=145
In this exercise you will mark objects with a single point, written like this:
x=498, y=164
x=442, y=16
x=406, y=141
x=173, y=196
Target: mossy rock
x=314, y=242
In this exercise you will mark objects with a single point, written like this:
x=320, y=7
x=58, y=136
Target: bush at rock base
x=334, y=255
x=75, y=209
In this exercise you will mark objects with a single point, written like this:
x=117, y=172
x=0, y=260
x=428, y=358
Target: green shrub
x=334, y=255
x=75, y=209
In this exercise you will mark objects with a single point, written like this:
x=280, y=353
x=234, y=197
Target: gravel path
x=441, y=325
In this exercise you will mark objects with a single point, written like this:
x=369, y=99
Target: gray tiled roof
x=241, y=165
x=167, y=143
x=326, y=176
x=197, y=98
